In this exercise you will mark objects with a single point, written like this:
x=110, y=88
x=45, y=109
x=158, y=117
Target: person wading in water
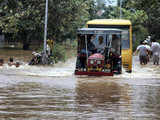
x=142, y=50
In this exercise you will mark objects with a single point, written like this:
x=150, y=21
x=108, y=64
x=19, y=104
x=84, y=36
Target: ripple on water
x=47, y=93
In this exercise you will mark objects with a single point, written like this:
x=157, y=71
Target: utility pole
x=44, y=57
x=45, y=28
x=120, y=9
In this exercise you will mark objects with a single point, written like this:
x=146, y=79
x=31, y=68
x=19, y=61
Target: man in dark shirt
x=91, y=46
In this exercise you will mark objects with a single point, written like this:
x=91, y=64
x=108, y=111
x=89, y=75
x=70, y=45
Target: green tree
x=151, y=7
x=22, y=19
x=25, y=19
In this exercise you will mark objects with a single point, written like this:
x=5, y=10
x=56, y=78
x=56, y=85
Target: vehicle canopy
x=109, y=22
x=98, y=31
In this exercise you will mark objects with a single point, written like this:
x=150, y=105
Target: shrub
x=58, y=53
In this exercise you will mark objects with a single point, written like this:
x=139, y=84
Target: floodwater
x=55, y=93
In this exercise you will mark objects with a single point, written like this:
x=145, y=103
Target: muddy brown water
x=55, y=93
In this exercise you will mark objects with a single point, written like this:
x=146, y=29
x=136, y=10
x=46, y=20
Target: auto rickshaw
x=98, y=52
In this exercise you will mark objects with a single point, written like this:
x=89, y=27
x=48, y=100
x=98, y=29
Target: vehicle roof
x=110, y=22
x=99, y=31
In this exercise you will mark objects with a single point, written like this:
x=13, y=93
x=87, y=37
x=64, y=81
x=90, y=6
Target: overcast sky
x=111, y=2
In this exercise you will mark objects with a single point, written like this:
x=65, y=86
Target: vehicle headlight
x=98, y=62
x=91, y=62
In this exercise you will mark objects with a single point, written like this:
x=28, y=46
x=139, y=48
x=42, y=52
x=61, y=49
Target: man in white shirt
x=142, y=53
x=101, y=45
x=155, y=47
x=148, y=49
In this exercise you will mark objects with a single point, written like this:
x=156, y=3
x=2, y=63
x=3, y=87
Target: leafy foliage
x=25, y=19
x=59, y=53
x=151, y=8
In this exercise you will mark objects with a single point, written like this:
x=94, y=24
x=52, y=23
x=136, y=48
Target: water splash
x=67, y=69
x=59, y=69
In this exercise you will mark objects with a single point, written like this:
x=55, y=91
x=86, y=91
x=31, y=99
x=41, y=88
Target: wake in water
x=67, y=69
x=59, y=69
x=142, y=71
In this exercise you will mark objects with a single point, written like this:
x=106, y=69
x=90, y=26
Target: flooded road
x=54, y=93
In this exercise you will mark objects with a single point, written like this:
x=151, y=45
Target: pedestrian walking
x=142, y=50
x=50, y=44
x=155, y=47
x=148, y=49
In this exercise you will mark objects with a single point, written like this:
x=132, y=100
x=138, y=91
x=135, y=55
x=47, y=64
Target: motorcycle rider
x=36, y=59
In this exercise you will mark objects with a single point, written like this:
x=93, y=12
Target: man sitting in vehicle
x=91, y=45
x=116, y=45
x=101, y=45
